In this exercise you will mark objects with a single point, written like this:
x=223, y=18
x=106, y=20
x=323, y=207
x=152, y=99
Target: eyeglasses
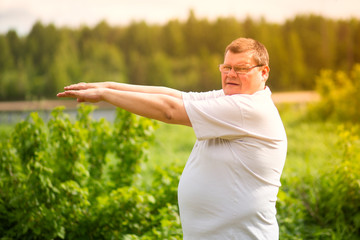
x=225, y=68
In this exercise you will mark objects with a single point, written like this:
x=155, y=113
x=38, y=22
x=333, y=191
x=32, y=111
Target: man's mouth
x=232, y=83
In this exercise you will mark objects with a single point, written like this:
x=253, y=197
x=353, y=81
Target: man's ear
x=265, y=72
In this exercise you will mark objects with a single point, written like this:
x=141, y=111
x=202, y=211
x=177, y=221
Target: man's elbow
x=177, y=116
x=169, y=116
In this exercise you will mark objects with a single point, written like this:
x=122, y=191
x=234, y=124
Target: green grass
x=172, y=143
x=172, y=146
x=312, y=145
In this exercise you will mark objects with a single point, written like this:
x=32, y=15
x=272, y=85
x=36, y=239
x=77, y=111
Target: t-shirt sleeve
x=221, y=117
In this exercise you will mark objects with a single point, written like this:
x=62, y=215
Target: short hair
x=240, y=45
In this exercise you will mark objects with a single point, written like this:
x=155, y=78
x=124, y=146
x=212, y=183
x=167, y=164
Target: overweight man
x=228, y=188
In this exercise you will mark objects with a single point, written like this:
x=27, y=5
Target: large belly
x=210, y=191
x=217, y=190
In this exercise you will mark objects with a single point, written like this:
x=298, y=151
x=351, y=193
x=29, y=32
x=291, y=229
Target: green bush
x=332, y=198
x=325, y=205
x=80, y=179
x=335, y=204
x=75, y=179
x=340, y=98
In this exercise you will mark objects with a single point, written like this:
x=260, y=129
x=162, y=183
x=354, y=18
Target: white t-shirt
x=229, y=186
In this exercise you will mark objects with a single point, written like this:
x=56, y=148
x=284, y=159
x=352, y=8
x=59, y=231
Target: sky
x=20, y=15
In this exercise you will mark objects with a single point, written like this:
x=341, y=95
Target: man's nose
x=232, y=72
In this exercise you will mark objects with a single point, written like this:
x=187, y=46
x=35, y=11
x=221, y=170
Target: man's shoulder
x=203, y=95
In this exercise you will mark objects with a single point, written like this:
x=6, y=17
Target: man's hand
x=163, y=104
x=92, y=95
x=84, y=86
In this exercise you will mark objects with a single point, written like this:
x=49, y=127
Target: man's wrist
x=102, y=93
x=108, y=85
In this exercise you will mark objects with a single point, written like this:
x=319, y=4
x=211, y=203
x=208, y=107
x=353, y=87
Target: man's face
x=244, y=83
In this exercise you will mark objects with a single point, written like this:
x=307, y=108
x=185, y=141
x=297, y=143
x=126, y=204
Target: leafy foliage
x=319, y=198
x=326, y=206
x=340, y=100
x=46, y=195
x=75, y=179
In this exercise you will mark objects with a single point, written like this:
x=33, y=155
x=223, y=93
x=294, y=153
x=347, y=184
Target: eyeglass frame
x=247, y=69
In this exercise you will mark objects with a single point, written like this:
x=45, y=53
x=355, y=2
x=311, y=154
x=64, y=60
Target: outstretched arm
x=127, y=87
x=160, y=106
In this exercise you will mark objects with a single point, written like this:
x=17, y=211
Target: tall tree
x=13, y=79
x=102, y=62
x=142, y=38
x=6, y=57
x=196, y=34
x=41, y=45
x=173, y=39
x=160, y=70
x=223, y=31
x=65, y=69
x=15, y=47
x=345, y=48
x=298, y=77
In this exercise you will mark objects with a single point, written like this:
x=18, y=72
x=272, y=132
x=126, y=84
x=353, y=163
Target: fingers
x=79, y=86
x=72, y=94
x=87, y=95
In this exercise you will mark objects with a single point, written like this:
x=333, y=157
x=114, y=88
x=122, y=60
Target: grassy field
x=311, y=144
x=172, y=143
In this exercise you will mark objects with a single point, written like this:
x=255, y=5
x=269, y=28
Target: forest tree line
x=179, y=54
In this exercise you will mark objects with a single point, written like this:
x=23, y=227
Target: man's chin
x=232, y=89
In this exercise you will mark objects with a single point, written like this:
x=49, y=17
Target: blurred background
x=45, y=45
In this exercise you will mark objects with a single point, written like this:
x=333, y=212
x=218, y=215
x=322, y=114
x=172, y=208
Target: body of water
x=13, y=117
